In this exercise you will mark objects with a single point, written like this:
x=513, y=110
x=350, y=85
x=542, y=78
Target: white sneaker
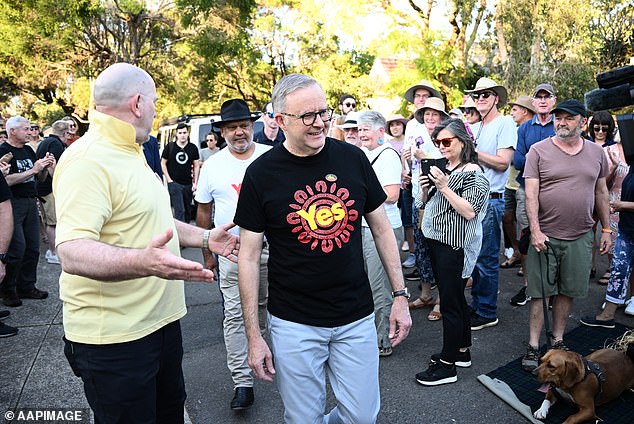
x=508, y=252
x=405, y=247
x=48, y=254
x=629, y=309
x=53, y=259
x=410, y=262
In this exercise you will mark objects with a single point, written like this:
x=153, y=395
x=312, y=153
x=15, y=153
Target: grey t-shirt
x=501, y=133
x=566, y=186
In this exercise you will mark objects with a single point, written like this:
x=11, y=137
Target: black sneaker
x=478, y=322
x=591, y=321
x=7, y=330
x=463, y=359
x=4, y=314
x=437, y=374
x=412, y=276
x=520, y=299
x=530, y=361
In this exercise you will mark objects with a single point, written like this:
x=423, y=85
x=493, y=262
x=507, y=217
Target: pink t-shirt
x=566, y=186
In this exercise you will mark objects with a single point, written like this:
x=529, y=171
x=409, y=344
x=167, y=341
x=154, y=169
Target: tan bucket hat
x=524, y=101
x=395, y=118
x=488, y=84
x=427, y=85
x=433, y=103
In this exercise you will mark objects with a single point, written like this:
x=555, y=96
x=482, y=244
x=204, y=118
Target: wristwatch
x=4, y=257
x=404, y=293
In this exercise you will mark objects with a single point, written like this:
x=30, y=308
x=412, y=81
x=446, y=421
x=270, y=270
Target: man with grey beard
x=565, y=181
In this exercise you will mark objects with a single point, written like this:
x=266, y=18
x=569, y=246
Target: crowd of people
x=302, y=222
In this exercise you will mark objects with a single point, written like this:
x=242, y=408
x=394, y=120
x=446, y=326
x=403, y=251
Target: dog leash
x=549, y=332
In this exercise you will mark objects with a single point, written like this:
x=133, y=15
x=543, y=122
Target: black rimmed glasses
x=309, y=118
x=446, y=142
x=483, y=94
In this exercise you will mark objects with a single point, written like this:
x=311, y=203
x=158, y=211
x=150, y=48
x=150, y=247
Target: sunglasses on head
x=600, y=128
x=446, y=142
x=484, y=95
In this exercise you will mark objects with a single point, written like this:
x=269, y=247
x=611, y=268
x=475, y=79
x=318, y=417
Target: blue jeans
x=487, y=270
x=619, y=284
x=181, y=199
x=304, y=354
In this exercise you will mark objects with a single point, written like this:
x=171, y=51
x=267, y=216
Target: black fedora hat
x=234, y=110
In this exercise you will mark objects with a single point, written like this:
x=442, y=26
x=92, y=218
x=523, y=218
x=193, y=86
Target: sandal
x=435, y=314
x=605, y=279
x=421, y=303
x=520, y=272
x=512, y=262
x=385, y=351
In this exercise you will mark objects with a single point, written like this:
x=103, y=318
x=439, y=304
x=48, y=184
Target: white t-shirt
x=388, y=170
x=220, y=180
x=501, y=133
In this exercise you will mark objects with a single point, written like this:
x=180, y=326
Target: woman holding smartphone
x=455, y=205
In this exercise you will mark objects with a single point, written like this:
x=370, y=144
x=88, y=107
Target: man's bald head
x=128, y=93
x=118, y=82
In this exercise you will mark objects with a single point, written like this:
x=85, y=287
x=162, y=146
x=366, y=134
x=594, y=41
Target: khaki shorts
x=575, y=261
x=520, y=211
x=48, y=210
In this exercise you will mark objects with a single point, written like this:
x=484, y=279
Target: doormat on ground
x=518, y=388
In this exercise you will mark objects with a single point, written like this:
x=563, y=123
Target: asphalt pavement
x=35, y=374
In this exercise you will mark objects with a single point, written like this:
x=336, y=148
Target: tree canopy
x=203, y=52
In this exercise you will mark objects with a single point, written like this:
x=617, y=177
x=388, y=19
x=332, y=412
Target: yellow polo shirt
x=105, y=191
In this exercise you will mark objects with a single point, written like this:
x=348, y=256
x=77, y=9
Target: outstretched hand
x=164, y=264
x=222, y=242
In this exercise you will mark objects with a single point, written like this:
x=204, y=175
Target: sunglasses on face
x=484, y=95
x=446, y=142
x=600, y=128
x=350, y=104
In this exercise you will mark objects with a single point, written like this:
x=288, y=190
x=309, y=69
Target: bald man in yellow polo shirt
x=122, y=273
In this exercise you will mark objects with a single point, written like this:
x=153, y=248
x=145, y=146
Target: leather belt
x=496, y=195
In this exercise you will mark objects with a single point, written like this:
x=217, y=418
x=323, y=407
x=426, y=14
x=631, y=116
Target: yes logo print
x=322, y=216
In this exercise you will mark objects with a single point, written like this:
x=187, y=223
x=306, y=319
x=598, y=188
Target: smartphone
x=426, y=164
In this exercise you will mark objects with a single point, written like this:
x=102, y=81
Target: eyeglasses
x=544, y=97
x=600, y=128
x=309, y=118
x=350, y=104
x=421, y=96
x=484, y=95
x=446, y=142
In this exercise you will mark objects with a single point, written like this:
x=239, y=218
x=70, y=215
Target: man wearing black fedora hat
x=218, y=189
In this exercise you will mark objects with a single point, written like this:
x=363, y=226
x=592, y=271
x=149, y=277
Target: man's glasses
x=544, y=97
x=446, y=142
x=350, y=104
x=600, y=128
x=484, y=95
x=421, y=96
x=309, y=118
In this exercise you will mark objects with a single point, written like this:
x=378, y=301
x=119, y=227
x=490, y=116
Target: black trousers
x=447, y=264
x=137, y=382
x=24, y=250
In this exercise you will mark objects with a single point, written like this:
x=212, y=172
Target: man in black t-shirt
x=270, y=134
x=308, y=196
x=6, y=231
x=55, y=145
x=181, y=165
x=24, y=251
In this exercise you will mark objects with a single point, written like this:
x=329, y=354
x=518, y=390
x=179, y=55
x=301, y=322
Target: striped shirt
x=443, y=223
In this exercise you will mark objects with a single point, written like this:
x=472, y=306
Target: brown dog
x=583, y=383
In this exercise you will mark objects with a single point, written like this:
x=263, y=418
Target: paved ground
x=34, y=372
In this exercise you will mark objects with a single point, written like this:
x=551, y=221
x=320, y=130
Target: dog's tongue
x=544, y=388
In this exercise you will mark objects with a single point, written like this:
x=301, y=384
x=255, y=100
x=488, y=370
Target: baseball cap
x=572, y=106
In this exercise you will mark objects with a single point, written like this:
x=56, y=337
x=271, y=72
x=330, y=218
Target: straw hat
x=427, y=85
x=433, y=103
x=395, y=118
x=468, y=103
x=525, y=102
x=488, y=84
x=350, y=122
